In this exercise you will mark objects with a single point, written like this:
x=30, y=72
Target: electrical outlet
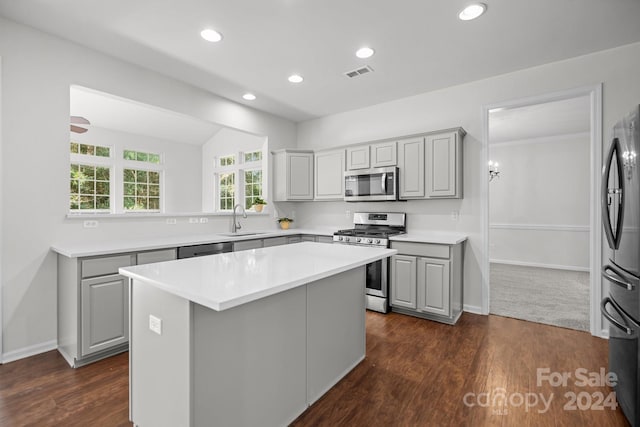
x=155, y=324
x=171, y=221
x=90, y=223
x=455, y=215
x=193, y=220
x=204, y=220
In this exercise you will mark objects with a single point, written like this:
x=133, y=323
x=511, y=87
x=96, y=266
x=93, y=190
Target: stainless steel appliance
x=374, y=229
x=621, y=221
x=376, y=184
x=205, y=249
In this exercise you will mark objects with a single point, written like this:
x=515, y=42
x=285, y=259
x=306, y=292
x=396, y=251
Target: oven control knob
x=369, y=241
x=377, y=242
x=346, y=239
x=358, y=240
x=339, y=238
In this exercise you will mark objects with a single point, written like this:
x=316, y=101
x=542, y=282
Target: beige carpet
x=542, y=295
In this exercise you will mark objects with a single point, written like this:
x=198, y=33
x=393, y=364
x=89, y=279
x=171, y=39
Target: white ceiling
x=566, y=117
x=124, y=115
x=420, y=45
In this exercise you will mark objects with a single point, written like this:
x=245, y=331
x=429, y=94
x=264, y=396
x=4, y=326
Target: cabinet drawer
x=156, y=256
x=421, y=249
x=105, y=265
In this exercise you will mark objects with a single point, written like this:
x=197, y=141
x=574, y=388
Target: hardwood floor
x=417, y=373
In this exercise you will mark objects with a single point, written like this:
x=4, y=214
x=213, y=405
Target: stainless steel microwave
x=375, y=184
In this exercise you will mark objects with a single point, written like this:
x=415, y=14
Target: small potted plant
x=284, y=222
x=258, y=204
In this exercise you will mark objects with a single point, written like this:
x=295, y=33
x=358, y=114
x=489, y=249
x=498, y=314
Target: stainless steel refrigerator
x=621, y=221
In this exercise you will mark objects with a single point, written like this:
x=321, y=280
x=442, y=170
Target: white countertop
x=427, y=236
x=231, y=279
x=84, y=249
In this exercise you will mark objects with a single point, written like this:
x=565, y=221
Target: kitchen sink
x=242, y=233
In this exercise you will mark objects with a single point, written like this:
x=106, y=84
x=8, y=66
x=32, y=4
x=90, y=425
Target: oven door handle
x=603, y=309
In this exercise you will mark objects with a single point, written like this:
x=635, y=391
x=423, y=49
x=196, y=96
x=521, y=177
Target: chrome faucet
x=236, y=224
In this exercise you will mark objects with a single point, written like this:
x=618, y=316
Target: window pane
x=102, y=151
x=154, y=190
x=141, y=176
x=88, y=172
x=129, y=155
x=141, y=190
x=102, y=187
x=129, y=175
x=75, y=148
x=154, y=158
x=141, y=157
x=154, y=177
x=87, y=202
x=102, y=202
x=87, y=187
x=102, y=173
x=141, y=203
x=129, y=203
x=154, y=203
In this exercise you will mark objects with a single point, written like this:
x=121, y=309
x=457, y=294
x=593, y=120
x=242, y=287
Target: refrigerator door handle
x=613, y=238
x=603, y=308
x=614, y=275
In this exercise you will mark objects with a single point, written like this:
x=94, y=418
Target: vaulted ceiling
x=420, y=45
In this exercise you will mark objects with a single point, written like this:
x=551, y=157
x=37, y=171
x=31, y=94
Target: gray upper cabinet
x=292, y=175
x=411, y=168
x=329, y=175
x=444, y=164
x=384, y=154
x=358, y=157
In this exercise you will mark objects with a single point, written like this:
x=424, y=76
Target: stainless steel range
x=374, y=229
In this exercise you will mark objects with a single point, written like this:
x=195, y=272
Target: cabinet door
x=324, y=239
x=403, y=281
x=433, y=286
x=358, y=157
x=105, y=313
x=384, y=154
x=300, y=176
x=411, y=167
x=329, y=171
x=441, y=160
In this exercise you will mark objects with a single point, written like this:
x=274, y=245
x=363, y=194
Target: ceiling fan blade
x=79, y=120
x=78, y=129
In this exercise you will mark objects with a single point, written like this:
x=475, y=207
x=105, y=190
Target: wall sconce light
x=493, y=170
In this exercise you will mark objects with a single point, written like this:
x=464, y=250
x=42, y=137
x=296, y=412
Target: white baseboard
x=472, y=309
x=540, y=265
x=32, y=350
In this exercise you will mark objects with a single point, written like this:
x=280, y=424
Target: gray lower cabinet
x=275, y=241
x=426, y=281
x=93, y=304
x=105, y=314
x=317, y=238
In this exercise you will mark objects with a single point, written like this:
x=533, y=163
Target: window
x=90, y=150
x=90, y=188
x=239, y=182
x=227, y=191
x=97, y=175
x=227, y=160
x=253, y=156
x=141, y=190
x=252, y=186
x=141, y=156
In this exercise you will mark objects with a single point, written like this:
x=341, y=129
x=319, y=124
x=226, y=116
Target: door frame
x=595, y=236
x=1, y=234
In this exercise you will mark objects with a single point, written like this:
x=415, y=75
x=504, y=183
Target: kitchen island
x=244, y=338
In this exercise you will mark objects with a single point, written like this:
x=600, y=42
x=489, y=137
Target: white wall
x=181, y=164
x=225, y=142
x=539, y=207
x=462, y=106
x=37, y=71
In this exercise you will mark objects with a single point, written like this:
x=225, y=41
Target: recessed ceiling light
x=211, y=35
x=249, y=96
x=472, y=11
x=295, y=78
x=365, y=52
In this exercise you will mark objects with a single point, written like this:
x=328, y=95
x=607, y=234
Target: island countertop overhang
x=227, y=280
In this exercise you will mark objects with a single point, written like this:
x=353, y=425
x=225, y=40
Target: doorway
x=542, y=238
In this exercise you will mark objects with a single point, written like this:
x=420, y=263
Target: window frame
x=239, y=168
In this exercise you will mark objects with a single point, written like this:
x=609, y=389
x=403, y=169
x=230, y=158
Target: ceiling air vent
x=358, y=72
